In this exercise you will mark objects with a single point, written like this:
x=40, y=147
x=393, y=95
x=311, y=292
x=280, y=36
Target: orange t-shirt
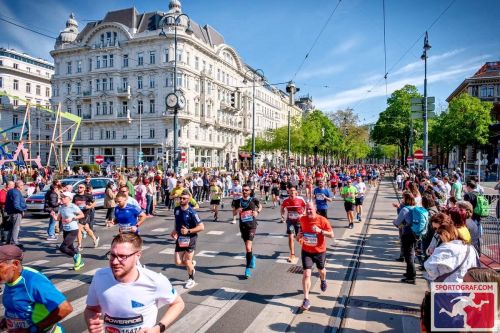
x=314, y=242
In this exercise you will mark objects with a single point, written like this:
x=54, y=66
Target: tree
x=394, y=125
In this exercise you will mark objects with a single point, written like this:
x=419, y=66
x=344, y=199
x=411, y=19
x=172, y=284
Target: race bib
x=17, y=323
x=184, y=241
x=246, y=216
x=293, y=215
x=320, y=196
x=122, y=325
x=310, y=239
x=284, y=193
x=124, y=228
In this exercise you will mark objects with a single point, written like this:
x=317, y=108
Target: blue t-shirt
x=319, y=195
x=30, y=299
x=69, y=212
x=126, y=217
x=188, y=218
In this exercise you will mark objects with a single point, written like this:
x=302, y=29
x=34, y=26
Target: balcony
x=106, y=44
x=87, y=94
x=124, y=92
x=86, y=116
x=227, y=107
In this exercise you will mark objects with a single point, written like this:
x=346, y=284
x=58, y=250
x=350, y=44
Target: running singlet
x=30, y=299
x=247, y=208
x=139, y=300
x=314, y=242
x=126, y=217
x=294, y=207
x=320, y=195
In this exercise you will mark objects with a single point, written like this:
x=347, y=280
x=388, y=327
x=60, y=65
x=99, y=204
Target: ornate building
x=116, y=73
x=27, y=78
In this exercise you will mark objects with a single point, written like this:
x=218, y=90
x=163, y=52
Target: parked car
x=35, y=201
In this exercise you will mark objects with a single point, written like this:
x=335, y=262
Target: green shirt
x=349, y=193
x=131, y=189
x=457, y=189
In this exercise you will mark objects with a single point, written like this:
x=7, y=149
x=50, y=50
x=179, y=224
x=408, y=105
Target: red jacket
x=3, y=196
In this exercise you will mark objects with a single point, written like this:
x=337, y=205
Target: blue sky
x=346, y=66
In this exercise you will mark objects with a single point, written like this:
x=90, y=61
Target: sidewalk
x=379, y=302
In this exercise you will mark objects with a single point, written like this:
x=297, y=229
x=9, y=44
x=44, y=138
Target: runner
x=349, y=193
x=236, y=193
x=334, y=183
x=139, y=291
x=128, y=216
x=130, y=200
x=295, y=208
x=275, y=191
x=267, y=188
x=314, y=229
x=187, y=227
x=69, y=214
x=309, y=188
x=285, y=185
x=322, y=195
x=215, y=197
x=85, y=202
x=31, y=302
x=360, y=197
x=248, y=208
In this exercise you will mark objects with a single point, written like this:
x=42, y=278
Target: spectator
x=5, y=222
x=51, y=204
x=109, y=203
x=15, y=206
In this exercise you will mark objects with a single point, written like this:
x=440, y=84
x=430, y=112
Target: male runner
x=85, y=202
x=334, y=183
x=236, y=190
x=125, y=297
x=248, y=208
x=295, y=208
x=349, y=193
x=187, y=227
x=322, y=195
x=313, y=230
x=360, y=197
x=215, y=198
x=128, y=217
x=285, y=185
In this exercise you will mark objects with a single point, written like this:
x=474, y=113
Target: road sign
x=409, y=159
x=420, y=114
x=99, y=159
x=418, y=154
x=183, y=156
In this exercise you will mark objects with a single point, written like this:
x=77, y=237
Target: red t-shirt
x=295, y=208
x=318, y=175
x=313, y=242
x=334, y=179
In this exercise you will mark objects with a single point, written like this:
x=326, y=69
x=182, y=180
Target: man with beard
x=126, y=296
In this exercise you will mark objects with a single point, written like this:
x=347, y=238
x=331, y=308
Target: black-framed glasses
x=185, y=198
x=246, y=190
x=121, y=258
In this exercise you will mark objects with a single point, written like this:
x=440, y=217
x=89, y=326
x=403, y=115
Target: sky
x=344, y=68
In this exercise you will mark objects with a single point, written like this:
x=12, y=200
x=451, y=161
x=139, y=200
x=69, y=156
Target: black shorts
x=215, y=202
x=247, y=232
x=275, y=191
x=292, y=228
x=308, y=259
x=359, y=201
x=110, y=214
x=322, y=212
x=349, y=206
x=190, y=248
x=266, y=189
x=333, y=186
x=233, y=203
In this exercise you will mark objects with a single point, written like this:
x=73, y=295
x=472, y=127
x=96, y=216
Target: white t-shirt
x=127, y=307
x=237, y=192
x=69, y=212
x=361, y=187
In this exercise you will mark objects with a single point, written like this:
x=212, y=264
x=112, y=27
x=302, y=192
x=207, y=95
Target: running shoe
x=78, y=267
x=408, y=280
x=84, y=234
x=248, y=273
x=351, y=225
x=189, y=284
x=52, y=238
x=233, y=221
x=96, y=242
x=323, y=285
x=194, y=263
x=252, y=262
x=306, y=304
x=77, y=258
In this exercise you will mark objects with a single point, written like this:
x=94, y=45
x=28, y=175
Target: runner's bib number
x=310, y=239
x=284, y=193
x=123, y=325
x=320, y=196
x=184, y=241
x=18, y=323
x=125, y=228
x=293, y=215
x=246, y=216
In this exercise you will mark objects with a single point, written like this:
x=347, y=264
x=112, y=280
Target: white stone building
x=116, y=73
x=28, y=78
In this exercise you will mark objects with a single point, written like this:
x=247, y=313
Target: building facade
x=27, y=78
x=116, y=73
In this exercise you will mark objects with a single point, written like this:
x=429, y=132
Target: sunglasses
x=185, y=198
x=246, y=190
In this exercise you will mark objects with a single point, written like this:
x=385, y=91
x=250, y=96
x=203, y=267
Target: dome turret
x=175, y=6
x=69, y=34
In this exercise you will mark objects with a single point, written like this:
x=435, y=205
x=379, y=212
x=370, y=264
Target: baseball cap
x=67, y=194
x=10, y=252
x=434, y=180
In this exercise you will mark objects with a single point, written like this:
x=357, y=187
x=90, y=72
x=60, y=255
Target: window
x=68, y=88
x=78, y=87
x=179, y=55
x=15, y=120
x=209, y=88
x=124, y=109
x=140, y=59
x=188, y=58
x=47, y=92
x=196, y=109
x=91, y=137
x=15, y=102
x=78, y=66
x=90, y=64
x=139, y=82
x=79, y=110
x=15, y=136
x=111, y=108
x=196, y=85
x=151, y=106
x=16, y=66
x=196, y=63
x=104, y=84
x=166, y=132
x=1, y=82
x=68, y=109
x=38, y=90
x=179, y=80
x=125, y=60
x=68, y=66
x=491, y=91
x=28, y=87
x=151, y=133
x=111, y=60
x=152, y=57
x=104, y=61
x=151, y=82
x=104, y=107
x=97, y=108
x=97, y=84
x=111, y=87
x=218, y=74
x=98, y=62
x=140, y=107
x=124, y=83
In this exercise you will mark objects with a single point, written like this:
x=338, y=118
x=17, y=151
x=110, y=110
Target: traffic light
x=141, y=155
x=233, y=99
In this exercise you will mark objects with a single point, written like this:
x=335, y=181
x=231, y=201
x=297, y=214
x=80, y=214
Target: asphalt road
x=223, y=300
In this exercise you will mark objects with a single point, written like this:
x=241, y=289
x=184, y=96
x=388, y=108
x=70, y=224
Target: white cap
x=67, y=194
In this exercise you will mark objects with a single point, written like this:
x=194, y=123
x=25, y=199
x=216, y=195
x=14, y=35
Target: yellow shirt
x=464, y=233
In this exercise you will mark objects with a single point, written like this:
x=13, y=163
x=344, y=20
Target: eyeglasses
x=185, y=198
x=246, y=190
x=121, y=258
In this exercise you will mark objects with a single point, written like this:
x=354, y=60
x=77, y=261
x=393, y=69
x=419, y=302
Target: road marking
x=210, y=254
x=104, y=247
x=238, y=234
x=36, y=263
x=168, y=250
x=215, y=232
x=275, y=235
x=202, y=317
x=240, y=257
x=159, y=230
x=278, y=310
x=284, y=260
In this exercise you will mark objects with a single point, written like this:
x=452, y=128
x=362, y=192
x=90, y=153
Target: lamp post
x=427, y=47
x=175, y=20
x=455, y=157
x=255, y=75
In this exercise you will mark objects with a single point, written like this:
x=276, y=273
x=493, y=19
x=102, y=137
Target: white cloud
x=320, y=72
x=346, y=46
x=417, y=65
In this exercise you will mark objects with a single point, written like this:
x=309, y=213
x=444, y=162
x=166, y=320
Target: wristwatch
x=162, y=327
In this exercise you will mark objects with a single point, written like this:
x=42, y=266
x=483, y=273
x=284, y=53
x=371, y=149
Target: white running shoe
x=233, y=221
x=190, y=284
x=96, y=242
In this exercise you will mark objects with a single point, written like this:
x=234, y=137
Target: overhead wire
x=27, y=28
x=385, y=50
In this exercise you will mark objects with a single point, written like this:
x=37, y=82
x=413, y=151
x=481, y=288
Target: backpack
x=482, y=206
x=419, y=221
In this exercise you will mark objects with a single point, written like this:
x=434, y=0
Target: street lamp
x=255, y=76
x=427, y=47
x=175, y=100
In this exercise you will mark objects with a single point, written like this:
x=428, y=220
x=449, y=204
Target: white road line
x=278, y=310
x=36, y=263
x=159, y=230
x=210, y=254
x=215, y=232
x=202, y=317
x=275, y=235
x=168, y=250
x=284, y=260
x=238, y=234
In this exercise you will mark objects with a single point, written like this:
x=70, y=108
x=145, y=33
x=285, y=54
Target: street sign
x=409, y=159
x=183, y=156
x=416, y=100
x=99, y=159
x=420, y=114
x=418, y=154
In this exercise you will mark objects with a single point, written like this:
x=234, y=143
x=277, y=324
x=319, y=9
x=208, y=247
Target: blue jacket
x=15, y=203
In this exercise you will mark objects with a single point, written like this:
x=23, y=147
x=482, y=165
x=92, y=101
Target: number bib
x=246, y=216
x=124, y=228
x=284, y=193
x=122, y=325
x=320, y=196
x=183, y=241
x=310, y=239
x=293, y=215
x=17, y=323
